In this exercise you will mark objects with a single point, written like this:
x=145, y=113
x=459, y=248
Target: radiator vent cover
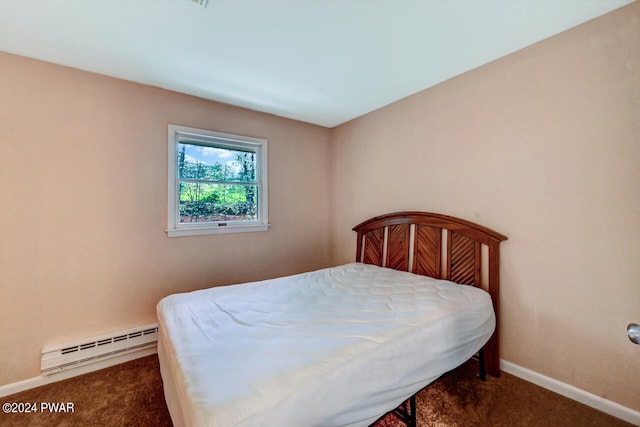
x=90, y=350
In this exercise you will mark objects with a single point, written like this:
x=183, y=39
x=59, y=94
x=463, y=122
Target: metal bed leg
x=406, y=412
x=412, y=412
x=482, y=368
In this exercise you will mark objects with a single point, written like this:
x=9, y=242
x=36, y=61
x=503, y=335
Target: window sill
x=203, y=231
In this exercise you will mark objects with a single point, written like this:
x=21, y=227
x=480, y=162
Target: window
x=217, y=182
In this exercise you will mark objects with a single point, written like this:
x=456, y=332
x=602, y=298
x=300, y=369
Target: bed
x=340, y=346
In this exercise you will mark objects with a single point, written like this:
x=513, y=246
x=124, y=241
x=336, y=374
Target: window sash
x=182, y=135
x=225, y=167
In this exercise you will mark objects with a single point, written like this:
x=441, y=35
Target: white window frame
x=215, y=139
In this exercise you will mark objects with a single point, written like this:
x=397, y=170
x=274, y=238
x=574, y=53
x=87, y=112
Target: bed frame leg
x=412, y=412
x=482, y=368
x=405, y=412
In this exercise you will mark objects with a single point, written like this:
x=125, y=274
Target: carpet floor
x=130, y=394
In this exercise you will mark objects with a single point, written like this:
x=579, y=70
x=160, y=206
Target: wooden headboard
x=438, y=246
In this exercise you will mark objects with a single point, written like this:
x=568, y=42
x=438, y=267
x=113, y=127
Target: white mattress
x=333, y=347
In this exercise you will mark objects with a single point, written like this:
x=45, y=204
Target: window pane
x=218, y=202
x=215, y=164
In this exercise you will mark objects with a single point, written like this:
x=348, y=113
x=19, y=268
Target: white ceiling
x=319, y=61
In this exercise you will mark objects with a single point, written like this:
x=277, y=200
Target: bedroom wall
x=83, y=173
x=541, y=145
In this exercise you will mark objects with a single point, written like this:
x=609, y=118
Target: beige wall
x=543, y=146
x=83, y=190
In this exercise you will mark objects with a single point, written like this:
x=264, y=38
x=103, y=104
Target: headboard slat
x=463, y=264
x=427, y=252
x=398, y=247
x=373, y=247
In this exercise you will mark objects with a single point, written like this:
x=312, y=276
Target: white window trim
x=174, y=227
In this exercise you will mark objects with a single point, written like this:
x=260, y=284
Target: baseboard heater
x=92, y=350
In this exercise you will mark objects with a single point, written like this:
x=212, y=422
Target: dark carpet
x=131, y=394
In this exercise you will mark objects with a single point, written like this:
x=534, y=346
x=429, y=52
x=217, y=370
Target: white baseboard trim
x=574, y=393
x=41, y=380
